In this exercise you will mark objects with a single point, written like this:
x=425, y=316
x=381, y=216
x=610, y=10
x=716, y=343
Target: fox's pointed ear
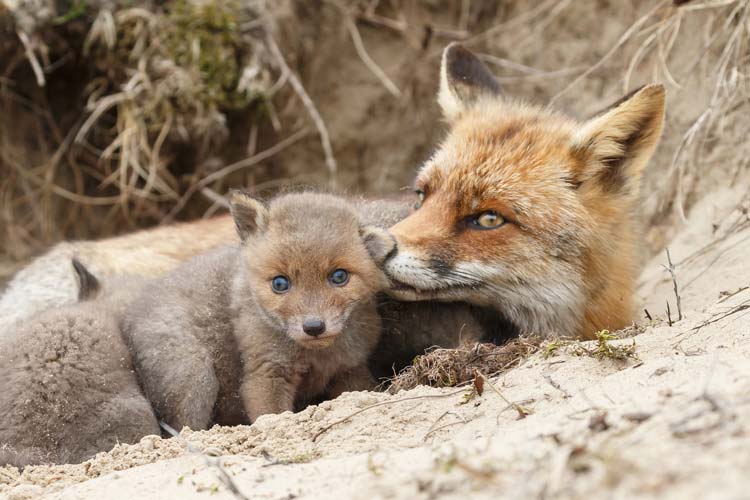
x=379, y=243
x=464, y=79
x=250, y=215
x=613, y=147
x=88, y=285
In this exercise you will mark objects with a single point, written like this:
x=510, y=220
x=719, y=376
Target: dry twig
x=673, y=274
x=365, y=57
x=308, y=103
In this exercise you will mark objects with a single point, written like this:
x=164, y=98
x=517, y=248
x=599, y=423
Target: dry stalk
x=229, y=169
x=673, y=274
x=365, y=57
x=31, y=56
x=308, y=103
x=522, y=411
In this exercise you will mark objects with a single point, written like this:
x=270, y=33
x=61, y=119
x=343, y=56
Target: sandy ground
x=673, y=423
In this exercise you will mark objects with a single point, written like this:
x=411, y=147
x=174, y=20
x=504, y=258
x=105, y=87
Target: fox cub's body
x=67, y=385
x=526, y=210
x=251, y=329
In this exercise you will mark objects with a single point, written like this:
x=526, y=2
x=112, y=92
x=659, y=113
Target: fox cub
x=67, y=386
x=286, y=315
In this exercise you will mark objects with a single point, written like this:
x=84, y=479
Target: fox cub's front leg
x=267, y=390
x=178, y=378
x=358, y=378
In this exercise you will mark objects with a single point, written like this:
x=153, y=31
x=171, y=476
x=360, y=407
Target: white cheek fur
x=411, y=270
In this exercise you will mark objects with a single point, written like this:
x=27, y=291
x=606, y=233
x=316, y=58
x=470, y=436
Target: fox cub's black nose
x=313, y=327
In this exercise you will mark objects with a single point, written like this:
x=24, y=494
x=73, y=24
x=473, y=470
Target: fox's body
x=528, y=211
x=50, y=282
x=220, y=340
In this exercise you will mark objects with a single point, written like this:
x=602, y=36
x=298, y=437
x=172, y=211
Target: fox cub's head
x=519, y=205
x=308, y=262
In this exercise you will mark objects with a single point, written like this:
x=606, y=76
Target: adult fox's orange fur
x=526, y=210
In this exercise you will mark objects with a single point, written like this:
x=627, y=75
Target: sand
x=674, y=422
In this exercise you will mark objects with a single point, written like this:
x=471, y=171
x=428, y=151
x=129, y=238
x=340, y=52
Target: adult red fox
x=528, y=211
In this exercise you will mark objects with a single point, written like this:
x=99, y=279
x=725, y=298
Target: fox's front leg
x=267, y=390
x=358, y=378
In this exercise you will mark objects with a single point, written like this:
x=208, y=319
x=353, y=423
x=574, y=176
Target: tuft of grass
x=77, y=9
x=299, y=458
x=604, y=348
x=550, y=348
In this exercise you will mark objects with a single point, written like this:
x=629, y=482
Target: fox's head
x=524, y=209
x=308, y=262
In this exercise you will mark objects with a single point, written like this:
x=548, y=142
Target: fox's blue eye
x=339, y=277
x=280, y=284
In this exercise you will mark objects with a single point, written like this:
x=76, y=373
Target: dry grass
x=148, y=93
x=722, y=67
x=453, y=367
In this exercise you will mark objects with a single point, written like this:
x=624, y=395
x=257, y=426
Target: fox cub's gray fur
x=246, y=330
x=67, y=386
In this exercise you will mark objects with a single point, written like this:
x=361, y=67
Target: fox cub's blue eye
x=280, y=284
x=339, y=277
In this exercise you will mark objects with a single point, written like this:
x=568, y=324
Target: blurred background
x=119, y=115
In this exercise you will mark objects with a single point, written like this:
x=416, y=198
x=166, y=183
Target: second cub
x=286, y=316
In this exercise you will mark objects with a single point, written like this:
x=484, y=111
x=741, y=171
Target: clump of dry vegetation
x=453, y=367
x=116, y=110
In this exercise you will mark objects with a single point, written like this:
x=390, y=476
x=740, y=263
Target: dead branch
x=245, y=163
x=522, y=411
x=365, y=57
x=556, y=385
x=31, y=56
x=673, y=274
x=434, y=429
x=308, y=103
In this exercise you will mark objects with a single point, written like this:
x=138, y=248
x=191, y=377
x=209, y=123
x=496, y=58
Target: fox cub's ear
x=379, y=243
x=250, y=215
x=614, y=146
x=464, y=79
x=88, y=285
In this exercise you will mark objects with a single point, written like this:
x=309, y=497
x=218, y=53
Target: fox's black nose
x=313, y=327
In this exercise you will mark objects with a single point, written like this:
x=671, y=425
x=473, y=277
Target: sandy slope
x=675, y=423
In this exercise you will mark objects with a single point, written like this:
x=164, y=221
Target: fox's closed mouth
x=400, y=286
